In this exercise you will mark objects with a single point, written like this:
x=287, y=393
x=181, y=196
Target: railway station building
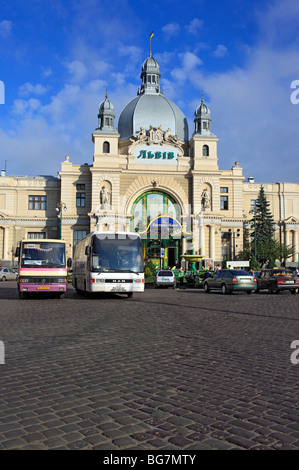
x=150, y=174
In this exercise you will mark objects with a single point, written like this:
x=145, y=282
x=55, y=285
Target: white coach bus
x=109, y=262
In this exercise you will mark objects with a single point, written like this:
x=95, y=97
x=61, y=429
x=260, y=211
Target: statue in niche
x=105, y=197
x=206, y=199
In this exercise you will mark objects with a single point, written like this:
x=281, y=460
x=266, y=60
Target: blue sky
x=58, y=58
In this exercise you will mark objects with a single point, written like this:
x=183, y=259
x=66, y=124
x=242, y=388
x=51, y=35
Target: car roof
x=277, y=270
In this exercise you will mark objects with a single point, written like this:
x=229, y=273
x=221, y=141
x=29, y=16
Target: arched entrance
x=156, y=216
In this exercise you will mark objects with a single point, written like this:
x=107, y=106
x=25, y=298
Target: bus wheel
x=130, y=295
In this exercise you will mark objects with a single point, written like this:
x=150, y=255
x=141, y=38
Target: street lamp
x=61, y=206
x=233, y=242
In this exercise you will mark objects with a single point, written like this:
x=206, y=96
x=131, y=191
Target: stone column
x=5, y=244
x=212, y=241
x=202, y=237
x=295, y=241
x=286, y=237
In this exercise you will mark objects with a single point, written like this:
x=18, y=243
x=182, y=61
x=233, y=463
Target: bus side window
x=95, y=261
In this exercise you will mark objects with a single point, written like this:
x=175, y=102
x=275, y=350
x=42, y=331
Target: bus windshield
x=122, y=253
x=43, y=254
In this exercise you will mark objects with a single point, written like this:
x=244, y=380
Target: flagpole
x=150, y=39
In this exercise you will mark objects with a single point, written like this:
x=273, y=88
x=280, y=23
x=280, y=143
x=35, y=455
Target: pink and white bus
x=41, y=267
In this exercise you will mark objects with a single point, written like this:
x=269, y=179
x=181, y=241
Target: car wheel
x=270, y=290
x=249, y=292
x=3, y=278
x=293, y=291
x=224, y=289
x=206, y=287
x=130, y=295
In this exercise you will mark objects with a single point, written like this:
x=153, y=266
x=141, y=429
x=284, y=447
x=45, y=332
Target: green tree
x=267, y=248
x=285, y=252
x=264, y=219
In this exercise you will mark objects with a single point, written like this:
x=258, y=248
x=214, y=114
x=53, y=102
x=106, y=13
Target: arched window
x=205, y=151
x=106, y=147
x=150, y=205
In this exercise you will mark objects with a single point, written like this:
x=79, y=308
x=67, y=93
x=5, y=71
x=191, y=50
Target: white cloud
x=171, y=29
x=194, y=26
x=5, y=28
x=77, y=70
x=252, y=114
x=46, y=72
x=26, y=107
x=29, y=89
x=220, y=51
x=189, y=62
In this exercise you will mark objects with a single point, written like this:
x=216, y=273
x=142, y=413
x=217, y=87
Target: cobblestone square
x=166, y=370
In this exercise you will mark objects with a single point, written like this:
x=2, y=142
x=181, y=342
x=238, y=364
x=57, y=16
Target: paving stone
x=179, y=441
x=171, y=370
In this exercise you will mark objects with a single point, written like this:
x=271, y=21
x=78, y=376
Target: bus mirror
x=17, y=253
x=69, y=262
x=87, y=250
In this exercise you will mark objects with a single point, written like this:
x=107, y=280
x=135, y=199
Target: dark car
x=276, y=280
x=229, y=280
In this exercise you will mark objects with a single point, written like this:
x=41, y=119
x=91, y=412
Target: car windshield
x=282, y=272
x=121, y=253
x=240, y=272
x=165, y=273
x=47, y=254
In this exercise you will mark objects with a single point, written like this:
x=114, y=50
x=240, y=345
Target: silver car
x=165, y=278
x=7, y=274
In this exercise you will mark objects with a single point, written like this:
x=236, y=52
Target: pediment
x=291, y=220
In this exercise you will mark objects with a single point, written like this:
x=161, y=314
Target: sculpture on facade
x=206, y=199
x=105, y=197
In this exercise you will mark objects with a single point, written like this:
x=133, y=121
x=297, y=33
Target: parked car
x=200, y=278
x=230, y=280
x=276, y=280
x=7, y=274
x=165, y=278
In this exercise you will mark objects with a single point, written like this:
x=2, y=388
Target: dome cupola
x=150, y=76
x=106, y=116
x=203, y=120
x=151, y=107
